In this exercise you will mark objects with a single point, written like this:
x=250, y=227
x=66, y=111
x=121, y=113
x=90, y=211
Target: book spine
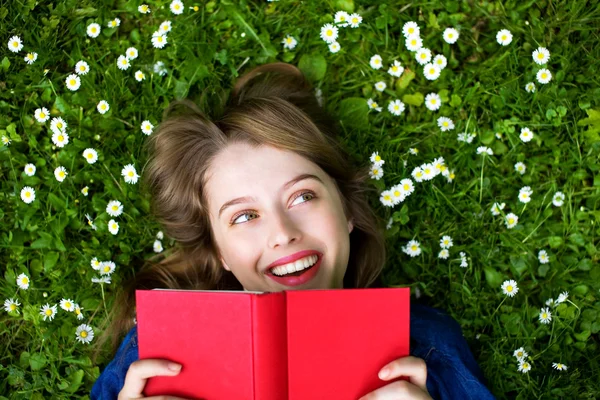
x=269, y=339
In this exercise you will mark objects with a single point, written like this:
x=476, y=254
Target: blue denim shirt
x=452, y=372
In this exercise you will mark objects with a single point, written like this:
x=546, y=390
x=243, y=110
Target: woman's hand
x=412, y=367
x=138, y=373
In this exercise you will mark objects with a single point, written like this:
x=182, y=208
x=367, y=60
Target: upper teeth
x=297, y=265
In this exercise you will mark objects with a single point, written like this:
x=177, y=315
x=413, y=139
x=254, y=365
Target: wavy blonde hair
x=273, y=105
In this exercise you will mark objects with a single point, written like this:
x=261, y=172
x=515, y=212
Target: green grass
x=483, y=92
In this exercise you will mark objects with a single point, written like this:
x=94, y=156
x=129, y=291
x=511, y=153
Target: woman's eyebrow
x=247, y=199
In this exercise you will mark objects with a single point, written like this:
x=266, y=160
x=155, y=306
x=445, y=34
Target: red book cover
x=296, y=345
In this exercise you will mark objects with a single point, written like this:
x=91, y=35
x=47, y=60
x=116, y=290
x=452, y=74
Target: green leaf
x=5, y=64
x=24, y=359
x=583, y=336
x=37, y=361
x=555, y=242
x=313, y=66
x=407, y=76
x=487, y=138
x=45, y=241
x=50, y=260
x=354, y=112
x=416, y=99
x=345, y=5
x=492, y=277
x=455, y=101
x=433, y=23
x=543, y=270
x=76, y=379
x=60, y=105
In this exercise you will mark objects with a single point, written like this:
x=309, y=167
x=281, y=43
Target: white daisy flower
x=48, y=312
x=545, y=315
x=107, y=267
x=541, y=55
x=376, y=159
x=103, y=107
x=445, y=124
x=30, y=169
x=525, y=194
x=380, y=86
x=440, y=61
x=485, y=150
x=82, y=68
x=131, y=53
x=558, y=199
x=463, y=260
x=15, y=44
x=398, y=194
x=417, y=174
x=28, y=194
x=429, y=171
x=446, y=242
x=396, y=107
x=157, y=246
x=78, y=311
x=396, y=69
x=524, y=366
x=511, y=220
x=93, y=30
x=85, y=190
x=439, y=165
x=433, y=101
x=520, y=168
x=520, y=353
x=466, y=137
x=550, y=303
x=90, y=155
x=562, y=297
x=123, y=63
x=450, y=35
x=504, y=37
x=58, y=125
x=413, y=151
x=373, y=105
x=30, y=58
x=73, y=82
x=114, y=208
x=129, y=174
x=96, y=264
x=423, y=55
x=559, y=366
x=104, y=279
x=139, y=76
x=496, y=208
x=5, y=140
x=11, y=305
x=413, y=43
x=329, y=33
x=113, y=227
x=444, y=254
x=410, y=28
x=431, y=71
x=60, y=173
x=334, y=47
x=84, y=333
x=526, y=135
x=412, y=248
x=530, y=87
x=159, y=41
x=355, y=20
x=23, y=281
x=386, y=198
x=543, y=76
x=376, y=62
x=114, y=23
x=543, y=257
x=341, y=18
x=60, y=139
x=176, y=7
x=91, y=222
x=144, y=9
x=147, y=127
x=160, y=235
x=67, y=305
x=450, y=176
x=407, y=186
x=289, y=42
x=42, y=114
x=510, y=288
x=376, y=172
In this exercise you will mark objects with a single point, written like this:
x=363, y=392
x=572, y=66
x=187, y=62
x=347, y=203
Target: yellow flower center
x=144, y=8
x=374, y=105
x=355, y=20
x=72, y=82
x=61, y=138
x=68, y=305
x=544, y=315
x=114, y=226
x=83, y=334
x=42, y=115
x=115, y=208
x=509, y=288
x=25, y=280
x=94, y=30
x=511, y=220
x=90, y=155
x=450, y=35
x=61, y=174
x=177, y=6
x=13, y=307
x=27, y=194
x=160, y=39
x=329, y=32
x=503, y=37
x=48, y=312
x=419, y=174
x=406, y=187
x=413, y=42
x=544, y=75
x=375, y=171
x=387, y=197
x=77, y=310
x=30, y=56
x=423, y=55
x=82, y=68
x=433, y=101
x=396, y=107
x=103, y=106
x=432, y=71
x=130, y=173
x=15, y=44
x=106, y=269
x=452, y=176
x=540, y=56
x=413, y=247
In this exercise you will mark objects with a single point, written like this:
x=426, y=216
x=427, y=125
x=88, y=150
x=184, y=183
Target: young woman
x=268, y=179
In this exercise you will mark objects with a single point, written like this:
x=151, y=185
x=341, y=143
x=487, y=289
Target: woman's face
x=279, y=220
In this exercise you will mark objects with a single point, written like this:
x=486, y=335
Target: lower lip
x=297, y=280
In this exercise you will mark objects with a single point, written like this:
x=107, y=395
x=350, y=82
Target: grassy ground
x=482, y=90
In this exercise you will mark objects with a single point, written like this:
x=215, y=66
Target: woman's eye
x=244, y=213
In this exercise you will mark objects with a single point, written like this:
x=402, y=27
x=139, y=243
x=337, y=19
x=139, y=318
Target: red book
x=296, y=345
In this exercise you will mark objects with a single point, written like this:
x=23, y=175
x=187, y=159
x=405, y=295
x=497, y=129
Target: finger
x=138, y=373
x=399, y=390
x=412, y=367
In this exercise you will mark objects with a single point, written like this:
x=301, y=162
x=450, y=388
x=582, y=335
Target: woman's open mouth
x=298, y=277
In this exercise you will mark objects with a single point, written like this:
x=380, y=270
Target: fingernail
x=384, y=373
x=174, y=366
